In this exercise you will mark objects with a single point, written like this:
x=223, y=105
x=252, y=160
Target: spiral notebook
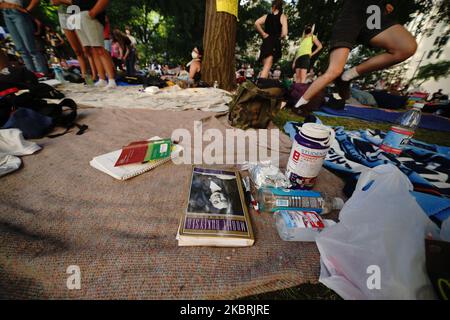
x=106, y=162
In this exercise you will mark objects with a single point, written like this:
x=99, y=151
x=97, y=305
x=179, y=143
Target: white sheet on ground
x=170, y=98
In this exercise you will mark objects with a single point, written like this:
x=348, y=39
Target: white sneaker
x=111, y=85
x=101, y=83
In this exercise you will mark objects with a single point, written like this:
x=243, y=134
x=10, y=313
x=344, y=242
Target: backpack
x=253, y=107
x=36, y=118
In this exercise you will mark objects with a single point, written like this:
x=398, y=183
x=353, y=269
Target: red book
x=133, y=153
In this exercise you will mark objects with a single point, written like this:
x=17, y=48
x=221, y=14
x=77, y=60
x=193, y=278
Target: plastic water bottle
x=300, y=225
x=272, y=199
x=400, y=134
x=59, y=74
x=216, y=84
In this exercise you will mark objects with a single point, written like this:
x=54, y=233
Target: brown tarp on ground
x=58, y=211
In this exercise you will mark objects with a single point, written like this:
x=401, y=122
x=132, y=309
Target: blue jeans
x=21, y=28
x=131, y=62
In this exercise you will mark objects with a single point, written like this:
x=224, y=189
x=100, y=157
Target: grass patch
x=429, y=136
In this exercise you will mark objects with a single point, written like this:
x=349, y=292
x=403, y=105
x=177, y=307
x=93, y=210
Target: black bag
x=154, y=81
x=62, y=115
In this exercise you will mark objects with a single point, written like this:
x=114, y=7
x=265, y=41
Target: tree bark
x=219, y=43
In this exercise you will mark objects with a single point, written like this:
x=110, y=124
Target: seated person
x=195, y=65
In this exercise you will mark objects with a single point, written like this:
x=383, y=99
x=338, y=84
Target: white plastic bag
x=377, y=250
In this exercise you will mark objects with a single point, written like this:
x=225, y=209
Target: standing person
x=20, y=26
x=302, y=60
x=55, y=40
x=128, y=51
x=128, y=33
x=351, y=27
x=249, y=73
x=275, y=28
x=277, y=73
x=117, y=54
x=107, y=35
x=90, y=33
x=83, y=56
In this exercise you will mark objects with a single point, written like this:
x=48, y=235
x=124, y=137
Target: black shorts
x=303, y=62
x=351, y=27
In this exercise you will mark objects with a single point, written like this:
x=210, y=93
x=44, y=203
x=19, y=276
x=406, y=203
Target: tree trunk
x=219, y=43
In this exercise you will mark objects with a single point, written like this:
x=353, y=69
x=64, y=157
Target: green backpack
x=253, y=107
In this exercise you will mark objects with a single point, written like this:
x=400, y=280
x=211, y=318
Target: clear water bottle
x=300, y=225
x=59, y=73
x=216, y=84
x=272, y=199
x=402, y=132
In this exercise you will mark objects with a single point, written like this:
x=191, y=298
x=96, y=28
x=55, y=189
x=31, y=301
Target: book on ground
x=144, y=151
x=106, y=163
x=216, y=213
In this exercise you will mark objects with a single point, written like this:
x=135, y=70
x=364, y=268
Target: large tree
x=219, y=42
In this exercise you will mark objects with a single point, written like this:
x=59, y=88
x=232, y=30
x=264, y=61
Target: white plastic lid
x=338, y=203
x=316, y=130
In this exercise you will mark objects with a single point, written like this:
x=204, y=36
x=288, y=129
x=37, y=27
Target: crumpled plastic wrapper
x=266, y=175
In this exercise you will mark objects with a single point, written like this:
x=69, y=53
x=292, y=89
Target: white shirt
x=133, y=40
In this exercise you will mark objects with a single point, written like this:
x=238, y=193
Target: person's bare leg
x=106, y=61
x=88, y=54
x=338, y=59
x=78, y=50
x=302, y=74
x=268, y=62
x=98, y=63
x=399, y=44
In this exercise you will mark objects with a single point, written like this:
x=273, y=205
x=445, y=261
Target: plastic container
x=308, y=153
x=300, y=225
x=400, y=134
x=59, y=73
x=273, y=199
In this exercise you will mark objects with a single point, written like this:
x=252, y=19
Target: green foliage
x=166, y=30
x=249, y=12
x=434, y=71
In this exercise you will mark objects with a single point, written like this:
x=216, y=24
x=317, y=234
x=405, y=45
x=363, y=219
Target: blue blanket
x=430, y=122
x=427, y=166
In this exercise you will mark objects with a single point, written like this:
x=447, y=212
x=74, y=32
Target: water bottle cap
x=338, y=203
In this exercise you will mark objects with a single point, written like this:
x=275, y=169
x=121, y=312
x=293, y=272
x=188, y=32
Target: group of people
x=98, y=51
x=246, y=72
x=352, y=27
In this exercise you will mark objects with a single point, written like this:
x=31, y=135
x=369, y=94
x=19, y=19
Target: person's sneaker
x=343, y=88
x=111, y=85
x=101, y=83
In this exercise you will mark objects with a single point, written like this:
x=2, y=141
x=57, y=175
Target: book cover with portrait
x=216, y=213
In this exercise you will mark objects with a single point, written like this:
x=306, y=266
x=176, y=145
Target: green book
x=159, y=149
